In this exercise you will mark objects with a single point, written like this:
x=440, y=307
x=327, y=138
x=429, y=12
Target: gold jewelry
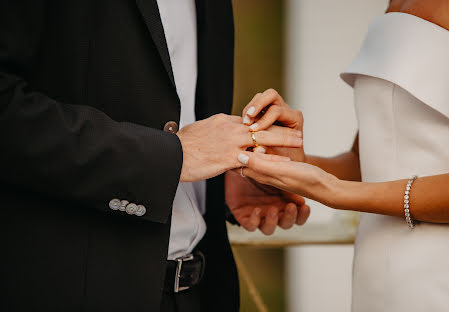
x=241, y=172
x=253, y=136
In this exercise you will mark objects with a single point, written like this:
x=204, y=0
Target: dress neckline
x=408, y=51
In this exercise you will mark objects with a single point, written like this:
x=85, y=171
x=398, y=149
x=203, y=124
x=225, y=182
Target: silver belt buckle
x=180, y=261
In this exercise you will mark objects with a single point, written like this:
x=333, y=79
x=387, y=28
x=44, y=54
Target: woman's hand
x=268, y=108
x=296, y=177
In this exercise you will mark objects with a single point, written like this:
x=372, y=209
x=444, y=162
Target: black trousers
x=184, y=301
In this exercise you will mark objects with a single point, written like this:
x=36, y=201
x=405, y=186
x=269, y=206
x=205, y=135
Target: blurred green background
x=259, y=51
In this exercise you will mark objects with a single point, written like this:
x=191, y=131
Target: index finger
x=262, y=100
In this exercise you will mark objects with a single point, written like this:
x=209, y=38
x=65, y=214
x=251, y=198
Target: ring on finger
x=253, y=137
x=241, y=172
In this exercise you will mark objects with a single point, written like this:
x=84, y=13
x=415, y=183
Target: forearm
x=74, y=153
x=428, y=198
x=344, y=166
x=77, y=153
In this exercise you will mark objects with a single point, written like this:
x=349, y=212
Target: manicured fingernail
x=251, y=110
x=246, y=120
x=243, y=159
x=254, y=126
x=257, y=212
x=260, y=149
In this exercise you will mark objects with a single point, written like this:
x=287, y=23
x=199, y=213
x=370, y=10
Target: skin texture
x=277, y=112
x=429, y=200
x=332, y=184
x=333, y=181
x=210, y=147
x=435, y=11
x=259, y=206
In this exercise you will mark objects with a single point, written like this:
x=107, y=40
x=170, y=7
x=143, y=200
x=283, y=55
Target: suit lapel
x=152, y=18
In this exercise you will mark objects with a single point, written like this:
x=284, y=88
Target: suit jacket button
x=140, y=211
x=115, y=204
x=171, y=127
x=131, y=208
x=123, y=205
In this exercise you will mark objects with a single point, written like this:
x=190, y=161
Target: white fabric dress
x=401, y=86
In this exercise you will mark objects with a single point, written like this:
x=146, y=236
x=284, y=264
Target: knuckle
x=257, y=96
x=234, y=118
x=271, y=92
x=221, y=117
x=277, y=110
x=238, y=164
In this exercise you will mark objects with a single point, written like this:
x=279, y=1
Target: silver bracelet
x=408, y=218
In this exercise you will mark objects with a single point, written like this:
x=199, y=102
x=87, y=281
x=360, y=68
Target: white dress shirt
x=179, y=22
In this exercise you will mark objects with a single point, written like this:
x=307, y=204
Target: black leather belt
x=185, y=272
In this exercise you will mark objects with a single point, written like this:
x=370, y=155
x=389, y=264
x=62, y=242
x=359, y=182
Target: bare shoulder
x=435, y=11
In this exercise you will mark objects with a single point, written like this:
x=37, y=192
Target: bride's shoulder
x=435, y=11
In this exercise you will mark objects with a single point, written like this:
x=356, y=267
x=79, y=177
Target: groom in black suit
x=90, y=106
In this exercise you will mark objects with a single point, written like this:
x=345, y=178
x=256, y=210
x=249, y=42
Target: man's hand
x=211, y=146
x=259, y=206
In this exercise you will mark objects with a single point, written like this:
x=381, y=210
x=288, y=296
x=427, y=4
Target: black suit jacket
x=86, y=87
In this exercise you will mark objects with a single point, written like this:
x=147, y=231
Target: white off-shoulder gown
x=401, y=87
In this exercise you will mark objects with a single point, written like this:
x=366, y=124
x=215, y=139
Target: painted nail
x=260, y=149
x=251, y=110
x=254, y=126
x=246, y=120
x=243, y=159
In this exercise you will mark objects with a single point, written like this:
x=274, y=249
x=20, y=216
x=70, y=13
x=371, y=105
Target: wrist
x=183, y=174
x=344, y=194
x=329, y=188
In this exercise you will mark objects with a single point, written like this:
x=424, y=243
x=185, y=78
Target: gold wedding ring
x=241, y=172
x=253, y=136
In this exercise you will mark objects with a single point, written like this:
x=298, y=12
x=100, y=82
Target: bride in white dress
x=401, y=91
